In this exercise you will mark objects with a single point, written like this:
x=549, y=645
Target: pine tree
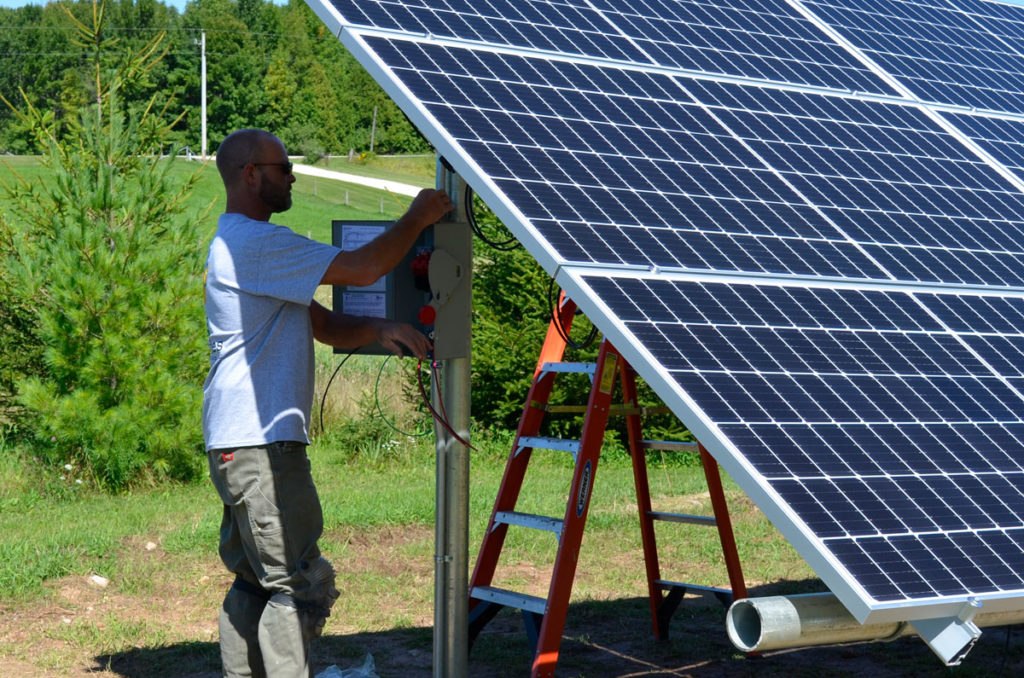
x=106, y=256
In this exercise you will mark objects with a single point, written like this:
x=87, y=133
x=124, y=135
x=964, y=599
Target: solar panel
x=762, y=39
x=821, y=275
x=877, y=417
x=1003, y=138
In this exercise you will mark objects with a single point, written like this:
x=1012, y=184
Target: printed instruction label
x=372, y=304
x=354, y=236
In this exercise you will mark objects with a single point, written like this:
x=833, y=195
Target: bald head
x=239, y=148
x=257, y=173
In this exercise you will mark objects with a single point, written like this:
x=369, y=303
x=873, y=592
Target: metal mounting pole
x=451, y=397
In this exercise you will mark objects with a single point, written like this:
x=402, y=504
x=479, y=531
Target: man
x=257, y=398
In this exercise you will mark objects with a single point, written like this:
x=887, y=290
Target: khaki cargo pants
x=283, y=588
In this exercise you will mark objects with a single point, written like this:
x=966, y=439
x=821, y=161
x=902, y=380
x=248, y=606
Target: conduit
x=780, y=622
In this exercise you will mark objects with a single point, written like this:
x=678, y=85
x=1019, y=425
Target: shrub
x=111, y=266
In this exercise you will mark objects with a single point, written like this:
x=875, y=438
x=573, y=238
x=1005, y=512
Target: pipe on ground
x=780, y=622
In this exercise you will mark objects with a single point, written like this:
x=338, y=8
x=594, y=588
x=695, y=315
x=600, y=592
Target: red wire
x=437, y=380
x=441, y=419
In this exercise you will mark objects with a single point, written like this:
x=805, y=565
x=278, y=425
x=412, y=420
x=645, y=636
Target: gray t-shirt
x=260, y=280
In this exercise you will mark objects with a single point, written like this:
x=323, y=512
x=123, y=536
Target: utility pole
x=202, y=68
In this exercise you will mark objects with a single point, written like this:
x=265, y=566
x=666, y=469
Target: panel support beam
x=951, y=638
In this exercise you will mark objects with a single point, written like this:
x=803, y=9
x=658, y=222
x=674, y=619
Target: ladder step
x=667, y=585
x=518, y=601
x=670, y=445
x=613, y=411
x=682, y=518
x=530, y=520
x=541, y=443
x=569, y=368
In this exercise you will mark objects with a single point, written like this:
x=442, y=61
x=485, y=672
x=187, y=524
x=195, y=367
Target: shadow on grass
x=612, y=639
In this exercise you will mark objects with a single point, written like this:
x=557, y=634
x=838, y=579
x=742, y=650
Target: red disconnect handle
x=427, y=315
x=420, y=264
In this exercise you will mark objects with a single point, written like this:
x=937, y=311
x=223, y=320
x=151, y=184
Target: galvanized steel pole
x=451, y=396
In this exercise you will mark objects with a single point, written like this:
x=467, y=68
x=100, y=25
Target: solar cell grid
x=699, y=194
x=940, y=52
x=765, y=40
x=543, y=25
x=889, y=178
x=1003, y=139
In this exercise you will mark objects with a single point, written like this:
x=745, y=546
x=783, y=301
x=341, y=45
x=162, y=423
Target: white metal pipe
x=779, y=622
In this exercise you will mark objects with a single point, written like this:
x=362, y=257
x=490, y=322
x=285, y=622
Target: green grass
x=158, y=614
x=42, y=539
x=315, y=202
x=417, y=170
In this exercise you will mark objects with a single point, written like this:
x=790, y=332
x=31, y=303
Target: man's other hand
x=394, y=335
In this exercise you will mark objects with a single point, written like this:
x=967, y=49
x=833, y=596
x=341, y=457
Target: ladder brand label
x=608, y=373
x=584, y=495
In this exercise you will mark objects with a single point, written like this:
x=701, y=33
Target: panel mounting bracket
x=951, y=638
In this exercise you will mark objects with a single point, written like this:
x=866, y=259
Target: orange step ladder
x=544, y=618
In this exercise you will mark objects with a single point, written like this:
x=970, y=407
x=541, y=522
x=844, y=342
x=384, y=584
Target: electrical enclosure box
x=397, y=295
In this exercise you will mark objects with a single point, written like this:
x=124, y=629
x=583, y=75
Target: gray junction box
x=435, y=275
x=395, y=295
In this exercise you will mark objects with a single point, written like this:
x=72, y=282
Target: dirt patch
x=148, y=624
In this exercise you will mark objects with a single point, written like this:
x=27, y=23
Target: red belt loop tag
x=227, y=456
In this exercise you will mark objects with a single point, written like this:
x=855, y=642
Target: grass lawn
x=157, y=615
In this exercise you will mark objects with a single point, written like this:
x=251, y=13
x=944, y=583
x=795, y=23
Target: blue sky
x=180, y=4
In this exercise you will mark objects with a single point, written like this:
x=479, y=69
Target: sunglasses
x=285, y=166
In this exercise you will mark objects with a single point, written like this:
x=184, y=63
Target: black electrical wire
x=323, y=399
x=376, y=398
x=376, y=404
x=502, y=246
x=1006, y=651
x=556, y=321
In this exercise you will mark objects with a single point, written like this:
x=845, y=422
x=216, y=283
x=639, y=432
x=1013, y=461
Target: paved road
x=382, y=184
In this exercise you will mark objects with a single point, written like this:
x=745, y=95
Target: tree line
x=103, y=349
x=270, y=66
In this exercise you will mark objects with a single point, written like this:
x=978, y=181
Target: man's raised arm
x=364, y=265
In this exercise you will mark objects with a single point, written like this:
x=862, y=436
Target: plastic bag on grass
x=367, y=670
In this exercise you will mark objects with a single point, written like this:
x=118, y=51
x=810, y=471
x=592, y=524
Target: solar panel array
x=801, y=222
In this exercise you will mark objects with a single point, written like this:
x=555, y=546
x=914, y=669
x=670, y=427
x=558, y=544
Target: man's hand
x=394, y=335
x=345, y=331
x=428, y=207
